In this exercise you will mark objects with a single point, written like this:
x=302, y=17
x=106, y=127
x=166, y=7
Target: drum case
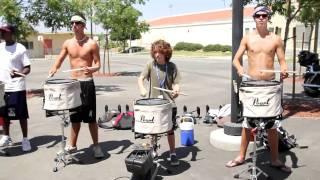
x=139, y=161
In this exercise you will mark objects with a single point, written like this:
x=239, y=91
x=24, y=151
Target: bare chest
x=264, y=46
x=76, y=51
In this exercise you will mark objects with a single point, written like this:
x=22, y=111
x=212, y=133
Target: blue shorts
x=16, y=105
x=87, y=112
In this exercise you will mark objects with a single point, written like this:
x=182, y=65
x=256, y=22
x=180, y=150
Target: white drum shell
x=64, y=96
x=261, y=101
x=153, y=119
x=2, y=102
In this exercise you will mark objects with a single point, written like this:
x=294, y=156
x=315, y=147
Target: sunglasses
x=261, y=15
x=76, y=22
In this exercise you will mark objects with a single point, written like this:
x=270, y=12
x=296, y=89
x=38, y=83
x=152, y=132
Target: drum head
x=60, y=81
x=152, y=101
x=259, y=83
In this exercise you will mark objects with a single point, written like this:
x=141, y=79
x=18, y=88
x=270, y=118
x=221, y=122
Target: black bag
x=286, y=141
x=307, y=58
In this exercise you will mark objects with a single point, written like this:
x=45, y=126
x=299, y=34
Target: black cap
x=8, y=28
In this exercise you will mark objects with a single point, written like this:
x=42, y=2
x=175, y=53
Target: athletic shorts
x=249, y=123
x=174, y=118
x=16, y=107
x=87, y=111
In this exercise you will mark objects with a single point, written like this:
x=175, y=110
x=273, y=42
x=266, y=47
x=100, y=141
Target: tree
x=120, y=19
x=11, y=12
x=55, y=14
x=310, y=15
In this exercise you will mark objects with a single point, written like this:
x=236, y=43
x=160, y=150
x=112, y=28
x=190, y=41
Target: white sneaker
x=97, y=152
x=71, y=149
x=26, y=145
x=5, y=141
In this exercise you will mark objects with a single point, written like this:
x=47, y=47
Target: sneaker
x=71, y=149
x=97, y=152
x=174, y=160
x=5, y=141
x=25, y=145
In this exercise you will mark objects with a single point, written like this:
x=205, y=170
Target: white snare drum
x=61, y=94
x=152, y=116
x=260, y=99
x=2, y=102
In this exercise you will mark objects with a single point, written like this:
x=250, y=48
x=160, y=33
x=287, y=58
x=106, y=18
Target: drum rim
x=246, y=84
x=49, y=81
x=167, y=102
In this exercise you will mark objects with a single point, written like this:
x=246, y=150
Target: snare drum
x=260, y=99
x=152, y=116
x=61, y=94
x=2, y=102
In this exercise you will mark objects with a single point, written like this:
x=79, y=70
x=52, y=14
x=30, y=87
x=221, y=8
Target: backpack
x=119, y=120
x=123, y=120
x=286, y=141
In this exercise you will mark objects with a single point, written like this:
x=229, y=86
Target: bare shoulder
x=67, y=43
x=92, y=42
x=275, y=36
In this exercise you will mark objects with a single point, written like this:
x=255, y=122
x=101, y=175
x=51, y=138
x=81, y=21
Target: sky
x=158, y=8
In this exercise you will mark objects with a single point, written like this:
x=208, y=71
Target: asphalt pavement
x=205, y=80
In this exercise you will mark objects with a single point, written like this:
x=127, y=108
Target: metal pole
x=316, y=36
x=294, y=64
x=237, y=33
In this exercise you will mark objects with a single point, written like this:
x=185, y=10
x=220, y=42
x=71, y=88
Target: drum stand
x=156, y=160
x=64, y=156
x=255, y=171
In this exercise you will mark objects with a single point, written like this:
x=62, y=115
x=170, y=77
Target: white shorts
x=246, y=124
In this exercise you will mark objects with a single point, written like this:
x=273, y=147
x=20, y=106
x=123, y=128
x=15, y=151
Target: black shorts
x=87, y=111
x=174, y=118
x=16, y=105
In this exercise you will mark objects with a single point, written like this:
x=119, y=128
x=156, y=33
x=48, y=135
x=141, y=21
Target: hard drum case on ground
x=139, y=161
x=260, y=99
x=62, y=94
x=152, y=116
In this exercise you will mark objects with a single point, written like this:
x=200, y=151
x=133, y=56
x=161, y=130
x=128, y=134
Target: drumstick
x=78, y=69
x=277, y=71
x=167, y=90
x=23, y=75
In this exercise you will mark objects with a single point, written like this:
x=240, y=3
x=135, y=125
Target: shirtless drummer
x=261, y=46
x=83, y=52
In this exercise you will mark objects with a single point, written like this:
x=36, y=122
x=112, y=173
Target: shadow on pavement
x=264, y=161
x=182, y=152
x=128, y=73
x=86, y=154
x=36, y=142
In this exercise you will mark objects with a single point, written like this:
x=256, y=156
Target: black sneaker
x=174, y=160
